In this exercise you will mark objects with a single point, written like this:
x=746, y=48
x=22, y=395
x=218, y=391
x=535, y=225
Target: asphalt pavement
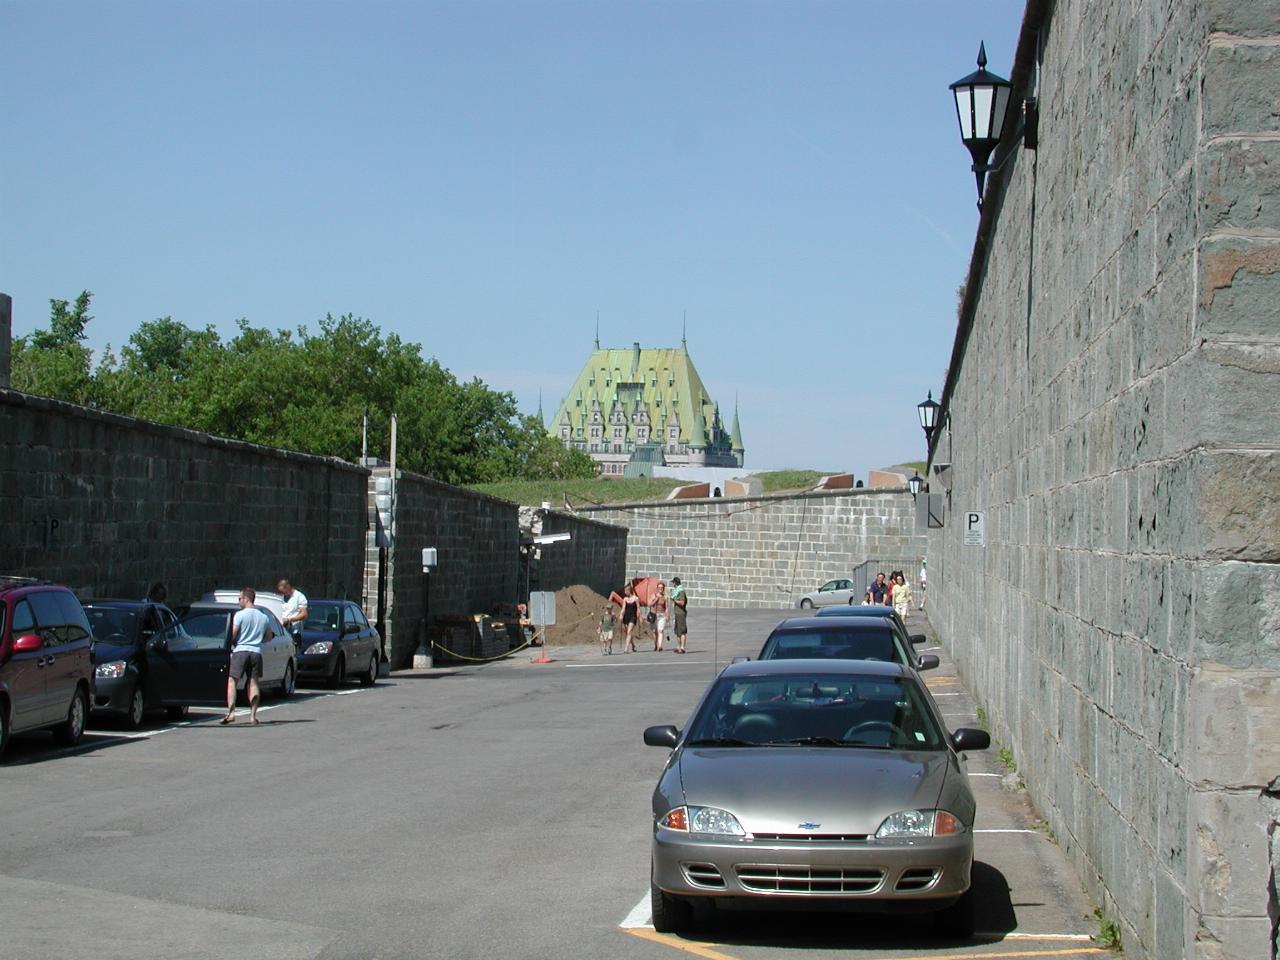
x=491, y=810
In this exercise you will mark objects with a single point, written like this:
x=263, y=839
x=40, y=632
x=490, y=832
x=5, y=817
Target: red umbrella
x=646, y=589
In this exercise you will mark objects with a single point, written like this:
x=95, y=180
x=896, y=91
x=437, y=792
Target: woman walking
x=658, y=607
x=630, y=615
x=901, y=595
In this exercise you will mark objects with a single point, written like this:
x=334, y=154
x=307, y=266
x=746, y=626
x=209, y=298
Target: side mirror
x=26, y=642
x=927, y=661
x=740, y=660
x=350, y=628
x=917, y=638
x=967, y=738
x=663, y=736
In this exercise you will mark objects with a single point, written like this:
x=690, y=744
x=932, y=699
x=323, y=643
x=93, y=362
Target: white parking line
x=639, y=915
x=211, y=712
x=1005, y=830
x=641, y=663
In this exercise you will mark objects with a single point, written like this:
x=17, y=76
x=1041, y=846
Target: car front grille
x=916, y=879
x=807, y=881
x=812, y=837
x=704, y=875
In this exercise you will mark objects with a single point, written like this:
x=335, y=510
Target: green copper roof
x=737, y=430
x=663, y=380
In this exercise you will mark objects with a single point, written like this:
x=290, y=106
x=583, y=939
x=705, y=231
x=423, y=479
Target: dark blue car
x=338, y=642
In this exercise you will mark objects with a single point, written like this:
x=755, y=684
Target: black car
x=123, y=683
x=844, y=638
x=337, y=642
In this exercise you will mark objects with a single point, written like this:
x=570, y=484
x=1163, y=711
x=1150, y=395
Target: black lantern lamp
x=914, y=485
x=982, y=104
x=928, y=417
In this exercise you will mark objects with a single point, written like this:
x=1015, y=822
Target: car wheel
x=806, y=604
x=670, y=914
x=70, y=730
x=288, y=683
x=957, y=919
x=339, y=673
x=370, y=676
x=177, y=712
x=137, y=709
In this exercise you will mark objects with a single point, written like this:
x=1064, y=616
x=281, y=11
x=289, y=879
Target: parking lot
x=489, y=810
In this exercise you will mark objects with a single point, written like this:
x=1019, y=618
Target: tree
x=55, y=362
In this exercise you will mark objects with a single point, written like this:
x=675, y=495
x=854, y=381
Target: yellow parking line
x=669, y=941
x=706, y=952
x=1069, y=952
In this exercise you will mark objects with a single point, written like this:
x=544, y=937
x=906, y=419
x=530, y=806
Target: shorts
x=606, y=634
x=682, y=627
x=662, y=625
x=246, y=660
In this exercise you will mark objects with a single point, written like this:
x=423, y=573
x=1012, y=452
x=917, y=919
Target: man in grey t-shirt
x=250, y=629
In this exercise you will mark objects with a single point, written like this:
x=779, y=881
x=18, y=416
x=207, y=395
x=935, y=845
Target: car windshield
x=887, y=713
x=112, y=624
x=322, y=616
x=832, y=644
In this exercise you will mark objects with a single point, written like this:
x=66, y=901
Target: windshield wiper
x=815, y=742
x=722, y=742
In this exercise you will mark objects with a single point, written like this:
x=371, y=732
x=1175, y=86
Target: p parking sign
x=975, y=529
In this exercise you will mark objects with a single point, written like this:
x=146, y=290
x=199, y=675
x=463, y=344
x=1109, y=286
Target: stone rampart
x=596, y=554
x=109, y=505
x=764, y=551
x=1111, y=408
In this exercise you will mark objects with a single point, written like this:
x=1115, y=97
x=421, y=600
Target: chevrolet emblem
x=808, y=825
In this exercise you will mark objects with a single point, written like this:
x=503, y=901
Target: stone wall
x=765, y=551
x=1111, y=407
x=109, y=505
x=477, y=539
x=595, y=556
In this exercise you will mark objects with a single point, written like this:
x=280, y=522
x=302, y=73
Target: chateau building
x=645, y=406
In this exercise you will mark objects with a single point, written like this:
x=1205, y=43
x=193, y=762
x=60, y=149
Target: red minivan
x=45, y=660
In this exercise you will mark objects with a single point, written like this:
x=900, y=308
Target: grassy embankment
x=625, y=490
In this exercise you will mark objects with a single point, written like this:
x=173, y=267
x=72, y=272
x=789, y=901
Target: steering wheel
x=889, y=725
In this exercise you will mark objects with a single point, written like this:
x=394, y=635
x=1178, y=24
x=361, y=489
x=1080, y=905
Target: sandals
x=229, y=718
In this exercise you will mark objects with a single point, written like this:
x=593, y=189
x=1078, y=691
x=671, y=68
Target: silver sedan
x=803, y=780
x=833, y=591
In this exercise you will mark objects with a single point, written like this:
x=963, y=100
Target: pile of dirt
x=578, y=611
x=577, y=616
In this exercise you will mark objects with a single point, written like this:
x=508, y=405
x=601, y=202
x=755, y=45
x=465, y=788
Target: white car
x=833, y=591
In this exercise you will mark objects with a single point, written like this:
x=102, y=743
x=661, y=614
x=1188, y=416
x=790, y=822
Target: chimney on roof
x=6, y=330
x=635, y=359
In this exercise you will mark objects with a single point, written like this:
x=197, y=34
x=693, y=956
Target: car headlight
x=711, y=820
x=322, y=646
x=920, y=823
x=112, y=670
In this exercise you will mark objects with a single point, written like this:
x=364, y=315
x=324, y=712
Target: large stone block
x=1238, y=615
x=1232, y=716
x=1239, y=288
x=1241, y=87
x=1239, y=185
x=1238, y=505
x=1230, y=855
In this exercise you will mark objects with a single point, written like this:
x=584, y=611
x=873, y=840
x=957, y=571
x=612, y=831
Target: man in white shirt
x=250, y=629
x=295, y=609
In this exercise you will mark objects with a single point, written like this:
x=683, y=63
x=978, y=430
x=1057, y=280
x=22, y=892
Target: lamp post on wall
x=928, y=410
x=914, y=485
x=982, y=105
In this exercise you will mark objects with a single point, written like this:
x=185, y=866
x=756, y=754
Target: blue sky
x=484, y=177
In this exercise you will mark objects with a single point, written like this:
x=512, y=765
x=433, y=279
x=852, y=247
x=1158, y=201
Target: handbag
x=651, y=617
